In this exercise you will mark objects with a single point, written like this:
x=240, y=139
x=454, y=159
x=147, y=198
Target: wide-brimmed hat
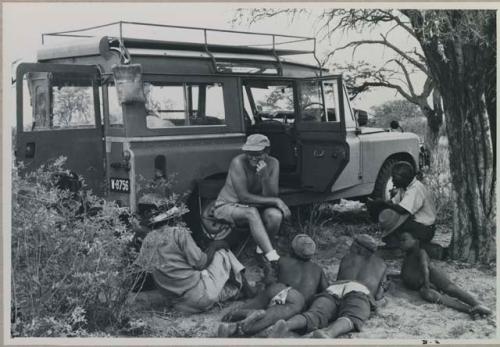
x=256, y=143
x=303, y=246
x=390, y=220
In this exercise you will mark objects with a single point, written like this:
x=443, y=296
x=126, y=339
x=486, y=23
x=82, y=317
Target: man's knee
x=272, y=216
x=251, y=214
x=430, y=295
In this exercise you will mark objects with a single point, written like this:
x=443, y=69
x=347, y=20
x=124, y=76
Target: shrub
x=70, y=258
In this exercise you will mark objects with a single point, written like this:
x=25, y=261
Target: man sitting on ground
x=299, y=280
x=250, y=194
x=195, y=280
x=413, y=200
x=348, y=301
x=418, y=273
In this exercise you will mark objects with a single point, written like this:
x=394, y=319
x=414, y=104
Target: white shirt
x=417, y=200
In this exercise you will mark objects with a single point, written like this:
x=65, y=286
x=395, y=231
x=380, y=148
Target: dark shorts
x=421, y=232
x=326, y=308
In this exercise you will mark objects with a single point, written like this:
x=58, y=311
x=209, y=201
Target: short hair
x=404, y=168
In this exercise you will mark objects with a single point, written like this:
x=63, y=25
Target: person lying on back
x=419, y=273
x=348, y=301
x=297, y=282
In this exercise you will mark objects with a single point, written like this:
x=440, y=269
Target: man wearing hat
x=348, y=301
x=250, y=194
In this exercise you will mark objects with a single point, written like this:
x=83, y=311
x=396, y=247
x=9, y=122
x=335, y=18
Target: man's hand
x=261, y=167
x=284, y=208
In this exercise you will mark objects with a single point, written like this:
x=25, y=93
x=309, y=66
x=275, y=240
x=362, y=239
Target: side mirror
x=362, y=117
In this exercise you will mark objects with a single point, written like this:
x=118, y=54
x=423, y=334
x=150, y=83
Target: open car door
x=321, y=132
x=58, y=114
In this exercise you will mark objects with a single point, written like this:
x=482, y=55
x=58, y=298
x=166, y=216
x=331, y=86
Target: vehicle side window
x=115, y=108
x=53, y=101
x=184, y=104
x=319, y=101
x=349, y=116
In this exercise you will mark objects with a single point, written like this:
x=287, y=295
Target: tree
x=460, y=50
x=360, y=76
x=457, y=52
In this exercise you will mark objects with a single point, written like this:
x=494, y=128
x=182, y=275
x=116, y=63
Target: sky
x=23, y=24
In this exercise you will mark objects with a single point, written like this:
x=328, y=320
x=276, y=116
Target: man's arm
x=383, y=286
x=270, y=181
x=194, y=256
x=323, y=282
x=238, y=177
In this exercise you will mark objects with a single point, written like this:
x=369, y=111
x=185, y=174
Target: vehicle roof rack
x=270, y=44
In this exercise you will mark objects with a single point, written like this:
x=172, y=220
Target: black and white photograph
x=210, y=172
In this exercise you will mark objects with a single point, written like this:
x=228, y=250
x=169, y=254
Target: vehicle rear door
x=321, y=132
x=58, y=114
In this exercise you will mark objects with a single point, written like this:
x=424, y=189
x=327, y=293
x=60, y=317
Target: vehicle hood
x=383, y=133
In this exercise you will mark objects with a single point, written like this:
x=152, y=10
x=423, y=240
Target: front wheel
x=383, y=184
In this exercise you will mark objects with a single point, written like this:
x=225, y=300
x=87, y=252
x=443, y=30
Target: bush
x=70, y=258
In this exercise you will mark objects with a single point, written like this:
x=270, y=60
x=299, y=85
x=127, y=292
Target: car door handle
x=30, y=150
x=319, y=153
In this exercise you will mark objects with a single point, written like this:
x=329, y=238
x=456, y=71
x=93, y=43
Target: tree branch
x=407, y=77
x=383, y=42
x=365, y=86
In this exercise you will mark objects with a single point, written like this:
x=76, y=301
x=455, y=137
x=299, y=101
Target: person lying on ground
x=419, y=273
x=347, y=302
x=297, y=282
x=195, y=280
x=250, y=195
x=411, y=200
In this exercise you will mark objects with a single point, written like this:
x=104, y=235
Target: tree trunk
x=459, y=68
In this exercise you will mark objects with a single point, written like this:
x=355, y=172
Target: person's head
x=303, y=247
x=402, y=174
x=407, y=241
x=256, y=148
x=364, y=244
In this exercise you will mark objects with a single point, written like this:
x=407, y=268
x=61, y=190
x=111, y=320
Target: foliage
x=72, y=106
x=70, y=258
x=408, y=115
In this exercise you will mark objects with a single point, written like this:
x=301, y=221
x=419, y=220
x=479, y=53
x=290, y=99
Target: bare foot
x=251, y=318
x=480, y=310
x=320, y=334
x=227, y=329
x=280, y=329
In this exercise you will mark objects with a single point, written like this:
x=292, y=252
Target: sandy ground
x=405, y=316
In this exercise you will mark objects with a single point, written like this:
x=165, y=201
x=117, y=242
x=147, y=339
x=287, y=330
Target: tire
x=384, y=181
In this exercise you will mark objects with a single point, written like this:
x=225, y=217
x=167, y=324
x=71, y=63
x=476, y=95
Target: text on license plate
x=121, y=185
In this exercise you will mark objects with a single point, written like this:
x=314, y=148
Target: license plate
x=121, y=185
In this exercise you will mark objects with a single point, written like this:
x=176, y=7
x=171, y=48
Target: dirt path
x=405, y=316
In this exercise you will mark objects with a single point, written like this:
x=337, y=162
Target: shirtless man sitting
x=348, y=301
x=298, y=281
x=250, y=194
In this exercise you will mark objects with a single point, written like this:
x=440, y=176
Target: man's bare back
x=305, y=276
x=368, y=270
